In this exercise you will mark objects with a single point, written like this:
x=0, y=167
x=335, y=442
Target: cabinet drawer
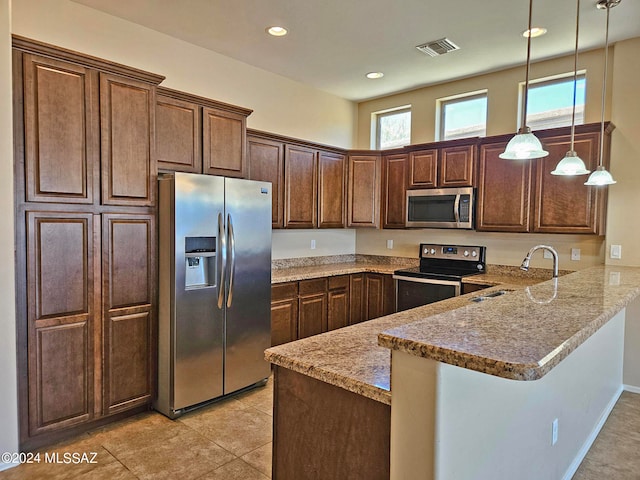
x=340, y=281
x=284, y=291
x=309, y=287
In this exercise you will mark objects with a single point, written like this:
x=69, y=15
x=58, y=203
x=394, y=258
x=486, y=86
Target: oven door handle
x=456, y=209
x=427, y=280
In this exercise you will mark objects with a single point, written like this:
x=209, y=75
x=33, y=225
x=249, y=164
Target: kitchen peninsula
x=550, y=337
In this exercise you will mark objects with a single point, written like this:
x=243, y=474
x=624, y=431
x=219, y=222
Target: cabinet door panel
x=504, y=191
x=266, y=163
x=312, y=317
x=61, y=324
x=563, y=203
x=223, y=143
x=394, y=190
x=178, y=135
x=374, y=296
x=128, y=310
x=128, y=367
x=127, y=112
x=423, y=168
x=364, y=191
x=300, y=179
x=338, y=302
x=456, y=166
x=61, y=131
x=284, y=321
x=331, y=190
x=356, y=298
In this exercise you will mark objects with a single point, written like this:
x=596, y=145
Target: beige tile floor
x=227, y=440
x=231, y=440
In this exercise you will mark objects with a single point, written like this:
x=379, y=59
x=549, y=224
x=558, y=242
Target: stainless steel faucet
x=527, y=259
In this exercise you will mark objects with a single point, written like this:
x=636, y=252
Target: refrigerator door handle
x=221, y=255
x=232, y=266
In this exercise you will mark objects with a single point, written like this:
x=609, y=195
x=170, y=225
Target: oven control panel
x=452, y=252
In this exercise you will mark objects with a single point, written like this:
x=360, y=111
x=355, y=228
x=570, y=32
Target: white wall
x=8, y=377
x=481, y=427
x=280, y=105
x=297, y=243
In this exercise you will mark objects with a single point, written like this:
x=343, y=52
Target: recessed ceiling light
x=374, y=75
x=535, y=32
x=277, y=31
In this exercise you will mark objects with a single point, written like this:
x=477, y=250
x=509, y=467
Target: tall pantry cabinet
x=85, y=180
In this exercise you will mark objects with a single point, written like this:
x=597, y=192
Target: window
x=463, y=116
x=550, y=102
x=393, y=128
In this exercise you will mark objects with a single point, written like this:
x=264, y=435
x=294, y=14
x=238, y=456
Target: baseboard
x=631, y=388
x=7, y=466
x=592, y=437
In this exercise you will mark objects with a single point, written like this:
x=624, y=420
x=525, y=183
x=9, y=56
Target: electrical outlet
x=313, y=244
x=575, y=254
x=546, y=254
x=554, y=432
x=390, y=244
x=616, y=251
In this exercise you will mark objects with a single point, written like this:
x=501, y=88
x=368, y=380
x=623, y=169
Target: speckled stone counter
x=351, y=357
x=525, y=333
x=316, y=267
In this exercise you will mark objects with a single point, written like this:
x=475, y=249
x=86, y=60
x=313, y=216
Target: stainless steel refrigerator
x=214, y=289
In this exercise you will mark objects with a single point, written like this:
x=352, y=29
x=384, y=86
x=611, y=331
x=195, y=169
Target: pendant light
x=525, y=145
x=601, y=177
x=572, y=164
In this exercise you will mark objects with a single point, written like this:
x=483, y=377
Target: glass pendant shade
x=524, y=146
x=600, y=178
x=571, y=164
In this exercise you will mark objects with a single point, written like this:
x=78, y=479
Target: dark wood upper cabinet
x=516, y=196
x=563, y=204
x=266, y=163
x=456, y=166
x=127, y=124
x=394, y=188
x=332, y=183
x=504, y=191
x=178, y=135
x=301, y=187
x=224, y=142
x=423, y=168
x=61, y=119
x=363, y=203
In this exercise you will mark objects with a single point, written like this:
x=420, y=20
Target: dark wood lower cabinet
x=321, y=431
x=338, y=302
x=309, y=307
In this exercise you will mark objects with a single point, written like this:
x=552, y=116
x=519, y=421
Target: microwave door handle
x=456, y=209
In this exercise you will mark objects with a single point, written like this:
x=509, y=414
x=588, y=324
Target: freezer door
x=248, y=301
x=198, y=325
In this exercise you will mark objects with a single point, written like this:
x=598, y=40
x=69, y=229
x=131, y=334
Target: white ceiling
x=332, y=44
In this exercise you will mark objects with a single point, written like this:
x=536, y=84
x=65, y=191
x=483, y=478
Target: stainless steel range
x=440, y=274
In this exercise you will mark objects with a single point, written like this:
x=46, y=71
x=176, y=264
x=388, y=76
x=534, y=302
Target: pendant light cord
x=575, y=78
x=604, y=85
x=525, y=97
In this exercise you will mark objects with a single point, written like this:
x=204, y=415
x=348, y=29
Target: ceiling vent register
x=438, y=47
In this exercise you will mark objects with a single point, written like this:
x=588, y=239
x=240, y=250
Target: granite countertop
x=523, y=334
x=350, y=357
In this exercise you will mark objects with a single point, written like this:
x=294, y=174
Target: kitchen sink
x=486, y=296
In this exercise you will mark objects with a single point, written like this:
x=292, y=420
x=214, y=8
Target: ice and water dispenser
x=200, y=262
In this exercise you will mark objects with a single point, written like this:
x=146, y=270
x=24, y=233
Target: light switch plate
x=313, y=244
x=575, y=254
x=390, y=244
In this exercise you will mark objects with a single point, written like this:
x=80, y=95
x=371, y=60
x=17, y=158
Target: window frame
x=376, y=123
x=464, y=97
x=551, y=80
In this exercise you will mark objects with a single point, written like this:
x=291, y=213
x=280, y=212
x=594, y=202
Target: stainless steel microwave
x=440, y=208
